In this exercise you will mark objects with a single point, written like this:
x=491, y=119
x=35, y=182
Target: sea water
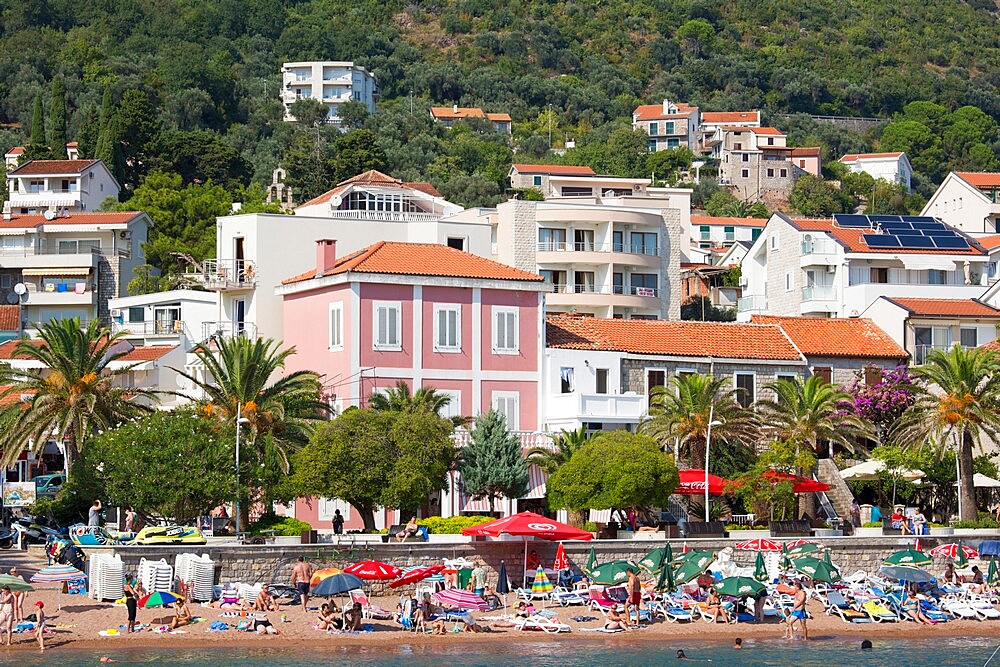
x=822, y=652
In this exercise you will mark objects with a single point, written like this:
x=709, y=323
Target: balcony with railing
x=228, y=329
x=920, y=352
x=756, y=303
x=620, y=408
x=819, y=293
x=553, y=252
x=225, y=274
x=384, y=216
x=586, y=294
x=165, y=328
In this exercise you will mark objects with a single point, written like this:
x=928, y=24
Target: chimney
x=454, y=108
x=326, y=255
x=666, y=106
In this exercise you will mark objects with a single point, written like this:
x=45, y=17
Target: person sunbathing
x=262, y=626
x=352, y=618
x=615, y=620
x=524, y=609
x=182, y=616
x=912, y=608
x=713, y=605
x=265, y=601
x=327, y=619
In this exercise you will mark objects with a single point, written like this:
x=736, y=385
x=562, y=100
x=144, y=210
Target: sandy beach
x=76, y=626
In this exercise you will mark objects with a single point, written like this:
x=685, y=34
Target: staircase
x=839, y=495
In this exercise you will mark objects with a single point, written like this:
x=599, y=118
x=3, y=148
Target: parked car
x=48, y=485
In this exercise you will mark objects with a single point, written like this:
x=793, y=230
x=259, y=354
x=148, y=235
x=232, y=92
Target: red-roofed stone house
x=921, y=324
x=59, y=186
x=969, y=201
x=669, y=125
x=892, y=167
x=758, y=163
x=820, y=268
x=447, y=116
x=426, y=314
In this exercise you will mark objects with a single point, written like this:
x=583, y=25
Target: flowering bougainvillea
x=883, y=402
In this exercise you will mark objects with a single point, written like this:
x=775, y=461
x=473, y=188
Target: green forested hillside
x=194, y=83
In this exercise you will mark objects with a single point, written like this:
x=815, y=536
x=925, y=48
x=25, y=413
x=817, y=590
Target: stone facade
x=785, y=278
x=670, y=268
x=108, y=281
x=634, y=371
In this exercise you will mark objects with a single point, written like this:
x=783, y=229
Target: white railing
x=226, y=273
x=564, y=246
x=819, y=246
x=595, y=407
x=228, y=329
x=149, y=327
x=920, y=352
x=755, y=303
x=385, y=216
x=819, y=293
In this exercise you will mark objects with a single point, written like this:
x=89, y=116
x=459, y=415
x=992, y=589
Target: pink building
x=427, y=314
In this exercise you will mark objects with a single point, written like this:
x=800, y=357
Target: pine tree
x=57, y=118
x=38, y=124
x=492, y=464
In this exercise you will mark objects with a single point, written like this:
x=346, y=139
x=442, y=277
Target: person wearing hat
x=40, y=625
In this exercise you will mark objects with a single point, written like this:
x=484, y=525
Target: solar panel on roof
x=894, y=226
x=881, y=240
x=918, y=218
x=944, y=231
x=911, y=241
x=851, y=220
x=925, y=226
x=951, y=242
x=885, y=218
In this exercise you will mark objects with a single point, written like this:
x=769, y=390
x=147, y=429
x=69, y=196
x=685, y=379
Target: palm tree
x=76, y=393
x=682, y=411
x=956, y=406
x=564, y=445
x=281, y=413
x=808, y=414
x=399, y=399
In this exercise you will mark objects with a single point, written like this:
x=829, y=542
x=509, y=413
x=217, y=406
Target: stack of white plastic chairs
x=198, y=572
x=107, y=577
x=156, y=575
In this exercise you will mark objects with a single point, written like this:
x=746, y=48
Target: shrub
x=872, y=524
x=451, y=525
x=286, y=526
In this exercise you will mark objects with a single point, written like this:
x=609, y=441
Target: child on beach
x=40, y=625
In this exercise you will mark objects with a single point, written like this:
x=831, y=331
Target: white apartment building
x=721, y=233
x=891, y=167
x=669, y=125
x=59, y=185
x=257, y=251
x=69, y=265
x=839, y=267
x=713, y=121
x=969, y=201
x=331, y=82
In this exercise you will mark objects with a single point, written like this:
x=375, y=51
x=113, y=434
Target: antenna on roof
x=49, y=214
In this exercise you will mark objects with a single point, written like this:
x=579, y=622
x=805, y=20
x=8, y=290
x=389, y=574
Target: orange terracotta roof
x=10, y=318
x=685, y=338
x=727, y=222
x=426, y=188
x=32, y=221
x=325, y=197
x=52, y=167
x=836, y=337
x=7, y=399
x=138, y=354
x=373, y=178
x=756, y=130
x=655, y=112
x=803, y=151
x=982, y=179
x=459, y=112
x=499, y=117
x=854, y=157
x=989, y=242
x=946, y=307
x=420, y=259
x=719, y=117
x=554, y=169
x=16, y=150
x=851, y=239
x=72, y=144
x=992, y=346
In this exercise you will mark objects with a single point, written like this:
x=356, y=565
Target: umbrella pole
x=524, y=567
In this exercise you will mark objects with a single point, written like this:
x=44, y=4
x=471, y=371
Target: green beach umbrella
x=994, y=574
x=666, y=581
x=654, y=560
x=816, y=569
x=739, y=587
x=702, y=557
x=591, y=561
x=960, y=558
x=909, y=557
x=615, y=572
x=785, y=562
x=692, y=566
x=759, y=568
x=827, y=558
x=16, y=584
x=803, y=549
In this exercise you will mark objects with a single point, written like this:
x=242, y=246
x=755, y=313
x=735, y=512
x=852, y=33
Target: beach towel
x=218, y=626
x=609, y=631
x=113, y=632
x=583, y=619
x=252, y=615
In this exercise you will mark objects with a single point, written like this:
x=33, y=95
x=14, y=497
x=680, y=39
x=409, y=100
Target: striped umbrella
x=759, y=544
x=158, y=599
x=541, y=584
x=16, y=584
x=320, y=575
x=457, y=598
x=57, y=574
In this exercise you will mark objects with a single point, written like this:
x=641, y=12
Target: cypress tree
x=492, y=464
x=90, y=131
x=38, y=124
x=57, y=118
x=109, y=146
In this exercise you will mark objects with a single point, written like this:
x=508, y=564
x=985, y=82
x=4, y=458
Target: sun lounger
x=566, y=597
x=598, y=600
x=540, y=623
x=672, y=613
x=837, y=605
x=960, y=609
x=368, y=610
x=609, y=631
x=526, y=595
x=984, y=610
x=879, y=612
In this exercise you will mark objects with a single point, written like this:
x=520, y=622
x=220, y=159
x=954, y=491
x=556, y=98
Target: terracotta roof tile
x=854, y=157
x=756, y=130
x=499, y=117
x=49, y=167
x=805, y=151
x=727, y=222
x=946, y=307
x=989, y=242
x=138, y=354
x=685, y=338
x=420, y=259
x=719, y=117
x=655, y=112
x=836, y=337
x=32, y=221
x=467, y=112
x=10, y=318
x=426, y=188
x=851, y=238
x=16, y=150
x=374, y=178
x=554, y=169
x=983, y=179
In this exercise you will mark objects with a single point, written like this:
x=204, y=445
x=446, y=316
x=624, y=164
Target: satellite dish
x=12, y=298
x=49, y=214
x=336, y=200
x=19, y=288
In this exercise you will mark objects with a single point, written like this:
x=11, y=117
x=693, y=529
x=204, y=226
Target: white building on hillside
x=60, y=186
x=969, y=201
x=331, y=82
x=837, y=268
x=669, y=125
x=891, y=167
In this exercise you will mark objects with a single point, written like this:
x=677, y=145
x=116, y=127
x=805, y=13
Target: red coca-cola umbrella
x=373, y=570
x=693, y=483
x=799, y=484
x=416, y=574
x=529, y=524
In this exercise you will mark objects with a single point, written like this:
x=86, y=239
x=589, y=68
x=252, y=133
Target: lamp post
x=240, y=421
x=708, y=445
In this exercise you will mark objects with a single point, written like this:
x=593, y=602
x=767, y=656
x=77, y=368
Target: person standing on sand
x=7, y=613
x=18, y=599
x=798, y=613
x=132, y=605
x=634, y=597
x=300, y=580
x=40, y=625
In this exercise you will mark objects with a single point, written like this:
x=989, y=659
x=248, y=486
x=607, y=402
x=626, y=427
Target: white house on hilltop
x=331, y=82
x=59, y=186
x=891, y=167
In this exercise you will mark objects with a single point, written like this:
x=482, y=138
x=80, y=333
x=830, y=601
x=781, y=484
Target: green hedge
x=285, y=526
x=452, y=525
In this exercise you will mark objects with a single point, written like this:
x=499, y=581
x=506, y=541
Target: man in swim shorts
x=300, y=580
x=634, y=597
x=798, y=614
